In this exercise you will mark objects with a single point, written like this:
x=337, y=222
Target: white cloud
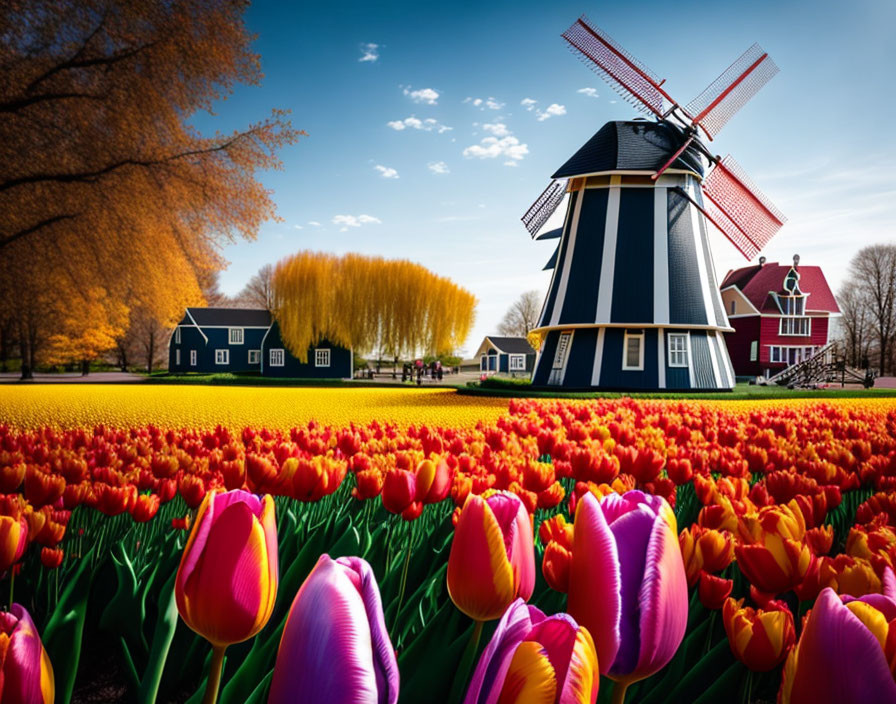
x=528, y=103
x=298, y=227
x=508, y=147
x=386, y=171
x=510, y=163
x=415, y=123
x=347, y=221
x=427, y=96
x=551, y=110
x=590, y=92
x=482, y=104
x=314, y=223
x=438, y=167
x=499, y=129
x=369, y=52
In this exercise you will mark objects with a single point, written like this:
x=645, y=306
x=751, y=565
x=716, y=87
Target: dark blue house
x=506, y=355
x=209, y=340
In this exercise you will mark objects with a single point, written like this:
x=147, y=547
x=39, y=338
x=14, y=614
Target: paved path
x=75, y=378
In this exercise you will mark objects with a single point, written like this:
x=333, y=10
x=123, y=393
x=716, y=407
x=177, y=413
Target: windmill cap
x=635, y=146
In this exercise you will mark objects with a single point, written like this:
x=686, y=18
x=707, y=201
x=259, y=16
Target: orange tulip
x=759, y=639
x=13, y=540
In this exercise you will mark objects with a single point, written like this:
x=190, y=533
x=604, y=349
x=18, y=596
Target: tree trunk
x=150, y=351
x=85, y=367
x=24, y=352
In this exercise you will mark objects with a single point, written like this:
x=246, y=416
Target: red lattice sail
x=544, y=206
x=628, y=76
x=730, y=91
x=739, y=209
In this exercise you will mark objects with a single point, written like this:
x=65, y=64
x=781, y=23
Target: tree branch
x=34, y=228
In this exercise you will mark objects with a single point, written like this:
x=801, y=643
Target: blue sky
x=423, y=142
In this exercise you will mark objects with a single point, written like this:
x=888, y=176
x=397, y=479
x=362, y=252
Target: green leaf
x=166, y=624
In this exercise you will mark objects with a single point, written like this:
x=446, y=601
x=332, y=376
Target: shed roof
x=229, y=317
x=756, y=282
x=510, y=345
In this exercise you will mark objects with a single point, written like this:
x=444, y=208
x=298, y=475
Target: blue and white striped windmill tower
x=634, y=301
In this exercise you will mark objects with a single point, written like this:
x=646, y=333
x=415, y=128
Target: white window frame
x=177, y=358
x=254, y=356
x=754, y=351
x=235, y=336
x=177, y=335
x=193, y=356
x=678, y=357
x=222, y=356
x=322, y=357
x=793, y=305
x=517, y=363
x=276, y=357
x=788, y=324
x=775, y=354
x=631, y=335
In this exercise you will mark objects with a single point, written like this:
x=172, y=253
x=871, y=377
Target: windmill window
x=678, y=349
x=517, y=362
x=277, y=357
x=562, y=349
x=236, y=336
x=254, y=356
x=322, y=358
x=793, y=305
x=177, y=357
x=177, y=335
x=192, y=358
x=633, y=351
x=222, y=356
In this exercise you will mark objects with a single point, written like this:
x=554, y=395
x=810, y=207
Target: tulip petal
x=326, y=652
x=837, y=660
x=580, y=686
x=632, y=532
x=27, y=674
x=594, y=582
x=530, y=677
x=492, y=667
x=196, y=542
x=384, y=661
x=480, y=576
x=663, y=600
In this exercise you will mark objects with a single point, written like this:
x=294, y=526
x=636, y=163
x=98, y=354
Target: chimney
x=761, y=261
x=796, y=260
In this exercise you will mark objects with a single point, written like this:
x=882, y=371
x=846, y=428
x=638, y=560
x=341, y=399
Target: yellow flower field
x=80, y=405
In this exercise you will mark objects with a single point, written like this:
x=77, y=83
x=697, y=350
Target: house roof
x=638, y=146
x=229, y=317
x=756, y=282
x=511, y=345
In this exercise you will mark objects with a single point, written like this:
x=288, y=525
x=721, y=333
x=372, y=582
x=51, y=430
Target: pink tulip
x=530, y=654
x=627, y=582
x=27, y=675
x=335, y=647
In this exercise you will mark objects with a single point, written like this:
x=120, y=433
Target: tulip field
x=380, y=546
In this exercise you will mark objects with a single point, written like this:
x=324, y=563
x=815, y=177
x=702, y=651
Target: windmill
x=633, y=301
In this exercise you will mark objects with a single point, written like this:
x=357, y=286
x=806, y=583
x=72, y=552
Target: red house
x=781, y=315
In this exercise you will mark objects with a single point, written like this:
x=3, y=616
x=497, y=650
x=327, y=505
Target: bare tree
x=258, y=293
x=871, y=301
x=855, y=329
x=522, y=316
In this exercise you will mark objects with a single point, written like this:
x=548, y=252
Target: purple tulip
x=533, y=657
x=26, y=675
x=335, y=647
x=627, y=582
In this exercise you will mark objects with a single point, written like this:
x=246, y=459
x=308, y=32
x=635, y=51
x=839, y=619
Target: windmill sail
x=731, y=91
x=628, y=76
x=544, y=206
x=739, y=209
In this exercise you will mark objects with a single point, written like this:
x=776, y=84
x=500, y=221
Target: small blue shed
x=325, y=360
x=506, y=355
x=210, y=340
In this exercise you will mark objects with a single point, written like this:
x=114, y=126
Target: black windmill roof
x=511, y=345
x=636, y=146
x=231, y=317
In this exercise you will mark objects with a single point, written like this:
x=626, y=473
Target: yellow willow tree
x=103, y=179
x=368, y=303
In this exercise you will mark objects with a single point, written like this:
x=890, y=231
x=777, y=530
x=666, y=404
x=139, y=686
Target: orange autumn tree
x=368, y=303
x=103, y=179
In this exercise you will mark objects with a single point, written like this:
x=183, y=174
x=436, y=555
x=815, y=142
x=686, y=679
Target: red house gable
x=755, y=282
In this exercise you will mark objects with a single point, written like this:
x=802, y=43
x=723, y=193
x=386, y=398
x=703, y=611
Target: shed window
x=177, y=357
x=517, y=362
x=633, y=351
x=254, y=356
x=322, y=358
x=192, y=358
x=236, y=336
x=177, y=335
x=222, y=356
x=276, y=358
x=733, y=306
x=678, y=349
x=754, y=350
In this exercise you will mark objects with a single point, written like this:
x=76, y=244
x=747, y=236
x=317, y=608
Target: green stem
x=619, y=692
x=214, y=675
x=466, y=663
x=404, y=571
